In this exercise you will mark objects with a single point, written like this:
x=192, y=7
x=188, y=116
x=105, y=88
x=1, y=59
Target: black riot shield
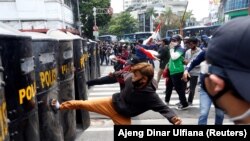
x=98, y=71
x=92, y=60
x=81, y=91
x=66, y=81
x=44, y=49
x=86, y=58
x=4, y=134
x=20, y=85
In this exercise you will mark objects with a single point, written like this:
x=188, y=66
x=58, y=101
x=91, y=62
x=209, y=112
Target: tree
x=188, y=15
x=122, y=24
x=150, y=12
x=170, y=20
x=173, y=21
x=87, y=18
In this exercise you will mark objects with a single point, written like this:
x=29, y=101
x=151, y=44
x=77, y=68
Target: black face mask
x=216, y=96
x=137, y=83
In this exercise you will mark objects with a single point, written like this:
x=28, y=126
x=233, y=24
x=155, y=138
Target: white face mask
x=173, y=44
x=240, y=117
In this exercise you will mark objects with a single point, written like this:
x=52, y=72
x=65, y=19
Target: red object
x=158, y=28
x=121, y=61
x=165, y=73
x=150, y=40
x=147, y=53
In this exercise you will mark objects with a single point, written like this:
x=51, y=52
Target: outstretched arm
x=165, y=111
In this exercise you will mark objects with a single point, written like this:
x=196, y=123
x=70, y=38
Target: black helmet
x=176, y=37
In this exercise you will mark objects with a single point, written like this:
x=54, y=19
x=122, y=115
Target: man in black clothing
x=164, y=56
x=138, y=96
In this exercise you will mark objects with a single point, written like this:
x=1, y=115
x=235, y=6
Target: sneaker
x=182, y=107
x=190, y=103
x=167, y=103
x=178, y=104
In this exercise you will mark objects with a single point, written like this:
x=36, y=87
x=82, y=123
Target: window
x=236, y=4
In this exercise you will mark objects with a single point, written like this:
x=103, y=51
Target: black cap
x=229, y=49
x=133, y=60
x=176, y=37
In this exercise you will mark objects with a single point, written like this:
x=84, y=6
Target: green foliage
x=173, y=21
x=123, y=23
x=150, y=12
x=87, y=18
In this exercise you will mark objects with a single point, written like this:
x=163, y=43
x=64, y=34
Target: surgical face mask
x=173, y=44
x=241, y=117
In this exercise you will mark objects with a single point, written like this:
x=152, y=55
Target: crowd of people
x=219, y=65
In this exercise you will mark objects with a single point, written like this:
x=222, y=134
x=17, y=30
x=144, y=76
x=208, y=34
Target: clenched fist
x=176, y=120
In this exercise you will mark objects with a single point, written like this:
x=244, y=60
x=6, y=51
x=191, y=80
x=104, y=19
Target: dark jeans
x=179, y=85
x=102, y=59
x=193, y=83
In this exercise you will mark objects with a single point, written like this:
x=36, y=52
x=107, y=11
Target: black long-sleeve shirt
x=133, y=101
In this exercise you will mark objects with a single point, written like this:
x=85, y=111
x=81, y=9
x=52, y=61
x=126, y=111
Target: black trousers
x=179, y=85
x=193, y=83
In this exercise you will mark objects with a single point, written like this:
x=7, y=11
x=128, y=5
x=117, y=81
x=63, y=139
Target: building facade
x=177, y=6
x=138, y=3
x=40, y=15
x=146, y=22
x=235, y=8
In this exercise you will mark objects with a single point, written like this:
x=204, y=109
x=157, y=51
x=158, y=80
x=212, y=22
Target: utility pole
x=182, y=20
x=95, y=28
x=96, y=11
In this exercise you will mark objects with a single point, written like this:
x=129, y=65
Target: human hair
x=140, y=41
x=193, y=40
x=145, y=69
x=166, y=41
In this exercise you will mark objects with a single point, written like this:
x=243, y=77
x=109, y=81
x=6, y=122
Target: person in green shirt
x=176, y=69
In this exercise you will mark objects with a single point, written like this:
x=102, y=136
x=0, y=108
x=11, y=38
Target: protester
x=164, y=56
x=190, y=55
x=111, y=78
x=205, y=101
x=176, y=69
x=228, y=77
x=138, y=96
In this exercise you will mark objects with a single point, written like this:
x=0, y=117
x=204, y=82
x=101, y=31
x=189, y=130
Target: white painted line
x=117, y=88
x=91, y=129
